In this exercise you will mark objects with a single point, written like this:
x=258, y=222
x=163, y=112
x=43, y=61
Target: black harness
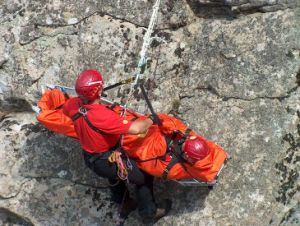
x=174, y=149
x=82, y=112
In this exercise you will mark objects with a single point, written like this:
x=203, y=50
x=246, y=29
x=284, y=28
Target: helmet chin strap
x=84, y=101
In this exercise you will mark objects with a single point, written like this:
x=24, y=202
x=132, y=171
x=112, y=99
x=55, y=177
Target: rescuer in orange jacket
x=99, y=130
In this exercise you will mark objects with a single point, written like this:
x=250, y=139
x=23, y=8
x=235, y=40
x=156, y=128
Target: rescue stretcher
x=183, y=182
x=198, y=183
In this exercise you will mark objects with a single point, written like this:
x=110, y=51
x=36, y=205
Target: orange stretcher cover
x=142, y=146
x=51, y=115
x=153, y=144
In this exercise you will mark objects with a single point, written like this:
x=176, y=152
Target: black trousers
x=143, y=181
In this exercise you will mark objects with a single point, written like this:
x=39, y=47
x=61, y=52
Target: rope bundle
x=115, y=157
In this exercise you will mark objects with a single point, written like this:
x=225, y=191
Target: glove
x=155, y=119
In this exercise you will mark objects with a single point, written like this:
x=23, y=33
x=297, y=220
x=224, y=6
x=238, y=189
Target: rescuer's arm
x=138, y=127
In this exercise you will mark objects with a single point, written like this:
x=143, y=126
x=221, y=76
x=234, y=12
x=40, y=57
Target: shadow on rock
x=60, y=189
x=217, y=9
x=9, y=218
x=50, y=155
x=184, y=199
x=56, y=161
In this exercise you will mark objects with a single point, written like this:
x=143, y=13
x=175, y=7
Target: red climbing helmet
x=88, y=85
x=194, y=149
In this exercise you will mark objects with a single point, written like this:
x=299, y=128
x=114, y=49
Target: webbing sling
x=176, y=153
x=176, y=158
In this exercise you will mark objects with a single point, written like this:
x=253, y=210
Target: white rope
x=147, y=36
x=146, y=43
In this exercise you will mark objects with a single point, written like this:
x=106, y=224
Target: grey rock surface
x=229, y=69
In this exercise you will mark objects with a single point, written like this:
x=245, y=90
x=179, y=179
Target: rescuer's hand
x=140, y=126
x=142, y=135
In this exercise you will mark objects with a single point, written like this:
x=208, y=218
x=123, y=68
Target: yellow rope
x=115, y=157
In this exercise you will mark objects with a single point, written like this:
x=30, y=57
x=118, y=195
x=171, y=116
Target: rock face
x=230, y=69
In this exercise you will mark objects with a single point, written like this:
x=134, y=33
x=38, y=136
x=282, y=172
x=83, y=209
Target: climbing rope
x=146, y=44
x=115, y=157
x=147, y=37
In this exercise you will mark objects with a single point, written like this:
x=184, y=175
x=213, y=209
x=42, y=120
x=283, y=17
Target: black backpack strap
x=92, y=126
x=82, y=112
x=76, y=116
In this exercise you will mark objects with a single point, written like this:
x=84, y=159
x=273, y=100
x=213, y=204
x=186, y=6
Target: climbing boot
x=162, y=210
x=127, y=207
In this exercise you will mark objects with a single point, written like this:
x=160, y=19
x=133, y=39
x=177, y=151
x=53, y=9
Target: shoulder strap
x=82, y=112
x=76, y=116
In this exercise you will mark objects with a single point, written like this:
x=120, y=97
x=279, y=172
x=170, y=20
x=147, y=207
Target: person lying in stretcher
x=173, y=151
